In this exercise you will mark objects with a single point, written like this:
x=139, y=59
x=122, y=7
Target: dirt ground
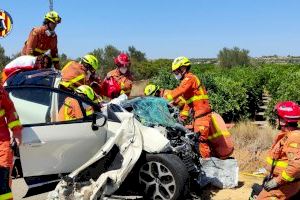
x=240, y=193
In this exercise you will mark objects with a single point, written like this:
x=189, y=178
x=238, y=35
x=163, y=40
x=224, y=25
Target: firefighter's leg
x=5, y=191
x=201, y=126
x=6, y=156
x=283, y=192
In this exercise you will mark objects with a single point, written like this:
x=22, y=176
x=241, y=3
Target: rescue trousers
x=202, y=127
x=6, y=162
x=283, y=192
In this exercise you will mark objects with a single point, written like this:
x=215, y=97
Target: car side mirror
x=99, y=120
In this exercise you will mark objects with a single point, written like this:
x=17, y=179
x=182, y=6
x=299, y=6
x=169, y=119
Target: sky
x=162, y=28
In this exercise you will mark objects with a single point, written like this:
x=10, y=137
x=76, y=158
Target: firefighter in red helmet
x=122, y=73
x=283, y=159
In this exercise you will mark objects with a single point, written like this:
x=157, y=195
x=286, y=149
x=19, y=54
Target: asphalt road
x=19, y=189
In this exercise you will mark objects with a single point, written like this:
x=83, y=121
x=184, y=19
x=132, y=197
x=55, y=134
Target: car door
x=50, y=145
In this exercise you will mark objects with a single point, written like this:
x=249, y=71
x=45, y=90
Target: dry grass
x=251, y=145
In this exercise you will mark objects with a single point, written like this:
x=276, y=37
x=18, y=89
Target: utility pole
x=51, y=5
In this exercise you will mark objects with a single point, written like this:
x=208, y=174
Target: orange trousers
x=6, y=157
x=283, y=192
x=202, y=127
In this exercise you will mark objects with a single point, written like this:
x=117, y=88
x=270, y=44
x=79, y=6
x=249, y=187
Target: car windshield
x=151, y=111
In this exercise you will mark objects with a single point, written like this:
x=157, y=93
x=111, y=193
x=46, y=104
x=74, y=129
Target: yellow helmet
x=179, y=62
x=87, y=91
x=91, y=60
x=53, y=16
x=150, y=89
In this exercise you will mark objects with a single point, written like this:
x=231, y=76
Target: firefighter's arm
x=54, y=54
x=292, y=171
x=12, y=117
x=32, y=41
x=184, y=86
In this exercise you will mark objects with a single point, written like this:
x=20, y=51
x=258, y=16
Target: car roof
x=42, y=77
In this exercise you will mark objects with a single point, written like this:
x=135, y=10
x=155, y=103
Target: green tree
x=234, y=57
x=136, y=55
x=3, y=58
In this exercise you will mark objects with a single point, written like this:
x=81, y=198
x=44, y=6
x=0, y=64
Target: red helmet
x=288, y=110
x=122, y=60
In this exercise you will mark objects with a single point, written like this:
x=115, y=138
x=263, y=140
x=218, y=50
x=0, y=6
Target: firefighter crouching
x=284, y=156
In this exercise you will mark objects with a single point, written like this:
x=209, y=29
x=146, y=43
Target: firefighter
x=71, y=109
x=24, y=63
x=284, y=156
x=122, y=73
x=75, y=73
x=194, y=92
x=44, y=38
x=9, y=121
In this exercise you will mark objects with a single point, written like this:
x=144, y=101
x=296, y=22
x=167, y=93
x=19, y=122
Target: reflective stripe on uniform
x=6, y=196
x=67, y=105
x=55, y=59
x=286, y=177
x=184, y=113
x=294, y=145
x=276, y=163
x=2, y=112
x=89, y=111
x=14, y=124
x=40, y=50
x=72, y=81
x=196, y=98
x=122, y=85
x=218, y=132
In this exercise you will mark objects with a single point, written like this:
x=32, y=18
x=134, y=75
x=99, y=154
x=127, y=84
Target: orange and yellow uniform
x=285, y=152
x=194, y=93
x=8, y=120
x=39, y=42
x=124, y=80
x=73, y=75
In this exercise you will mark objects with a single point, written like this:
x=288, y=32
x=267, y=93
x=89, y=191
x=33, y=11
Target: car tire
x=163, y=176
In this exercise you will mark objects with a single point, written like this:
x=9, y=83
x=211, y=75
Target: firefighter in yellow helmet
x=75, y=74
x=44, y=38
x=71, y=109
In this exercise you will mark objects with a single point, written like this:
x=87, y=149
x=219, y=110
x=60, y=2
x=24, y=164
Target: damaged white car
x=93, y=157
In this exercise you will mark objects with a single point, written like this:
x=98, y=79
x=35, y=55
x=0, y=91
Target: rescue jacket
x=73, y=75
x=39, y=42
x=285, y=152
x=71, y=110
x=124, y=80
x=194, y=93
x=9, y=118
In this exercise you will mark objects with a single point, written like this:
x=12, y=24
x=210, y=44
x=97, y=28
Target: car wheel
x=163, y=176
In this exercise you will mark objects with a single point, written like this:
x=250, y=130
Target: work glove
x=270, y=185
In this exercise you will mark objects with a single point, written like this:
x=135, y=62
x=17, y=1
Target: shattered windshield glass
x=151, y=111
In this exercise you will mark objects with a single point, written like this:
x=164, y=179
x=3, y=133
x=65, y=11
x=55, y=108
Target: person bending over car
x=284, y=156
x=75, y=74
x=43, y=38
x=71, y=109
x=9, y=120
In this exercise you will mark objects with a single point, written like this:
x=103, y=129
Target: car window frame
x=81, y=100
